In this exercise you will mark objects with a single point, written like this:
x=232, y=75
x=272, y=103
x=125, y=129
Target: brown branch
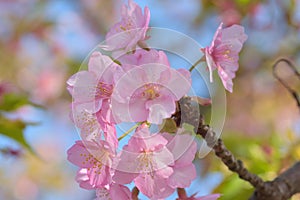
x=281, y=188
x=227, y=157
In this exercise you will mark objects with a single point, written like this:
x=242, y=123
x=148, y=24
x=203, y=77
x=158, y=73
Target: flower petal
x=182, y=176
x=79, y=155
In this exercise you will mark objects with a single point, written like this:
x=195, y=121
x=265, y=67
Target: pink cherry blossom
x=146, y=160
x=95, y=160
x=142, y=57
x=91, y=91
x=149, y=92
x=157, y=163
x=223, y=52
x=131, y=30
x=95, y=85
x=113, y=192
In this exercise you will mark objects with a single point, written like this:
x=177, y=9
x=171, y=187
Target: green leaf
x=11, y=102
x=14, y=129
x=188, y=127
x=168, y=125
x=234, y=188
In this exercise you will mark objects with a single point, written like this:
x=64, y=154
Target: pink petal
x=210, y=64
x=124, y=177
x=162, y=159
x=128, y=83
x=84, y=86
x=179, y=83
x=128, y=164
x=111, y=136
x=183, y=148
x=83, y=179
x=143, y=139
x=234, y=32
x=217, y=38
x=99, y=176
x=160, y=108
x=137, y=111
x=86, y=121
x=119, y=192
x=182, y=176
x=95, y=63
x=153, y=186
x=79, y=156
x=226, y=80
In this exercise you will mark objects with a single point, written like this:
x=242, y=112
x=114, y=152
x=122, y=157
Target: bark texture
x=281, y=188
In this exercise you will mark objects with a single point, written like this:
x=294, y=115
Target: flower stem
x=181, y=193
x=129, y=131
x=196, y=63
x=135, y=193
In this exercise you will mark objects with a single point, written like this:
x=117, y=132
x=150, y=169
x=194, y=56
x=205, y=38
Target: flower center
x=146, y=162
x=102, y=193
x=127, y=25
x=151, y=91
x=226, y=53
x=88, y=123
x=103, y=90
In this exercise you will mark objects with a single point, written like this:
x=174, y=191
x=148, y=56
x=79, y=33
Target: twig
x=181, y=193
x=295, y=71
x=135, y=193
x=195, y=64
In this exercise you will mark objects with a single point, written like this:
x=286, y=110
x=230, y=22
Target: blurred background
x=43, y=42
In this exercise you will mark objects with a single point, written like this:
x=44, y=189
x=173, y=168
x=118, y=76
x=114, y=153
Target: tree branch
x=227, y=157
x=281, y=188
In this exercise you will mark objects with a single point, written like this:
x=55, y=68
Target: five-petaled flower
x=223, y=52
x=157, y=163
x=130, y=31
x=145, y=159
x=149, y=93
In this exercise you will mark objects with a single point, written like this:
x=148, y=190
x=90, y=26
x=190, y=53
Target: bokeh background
x=43, y=42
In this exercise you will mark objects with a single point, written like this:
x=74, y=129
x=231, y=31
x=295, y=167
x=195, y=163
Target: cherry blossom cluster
x=135, y=83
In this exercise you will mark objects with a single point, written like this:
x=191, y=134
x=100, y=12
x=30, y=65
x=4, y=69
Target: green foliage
x=14, y=129
x=261, y=155
x=11, y=101
x=168, y=125
x=234, y=188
